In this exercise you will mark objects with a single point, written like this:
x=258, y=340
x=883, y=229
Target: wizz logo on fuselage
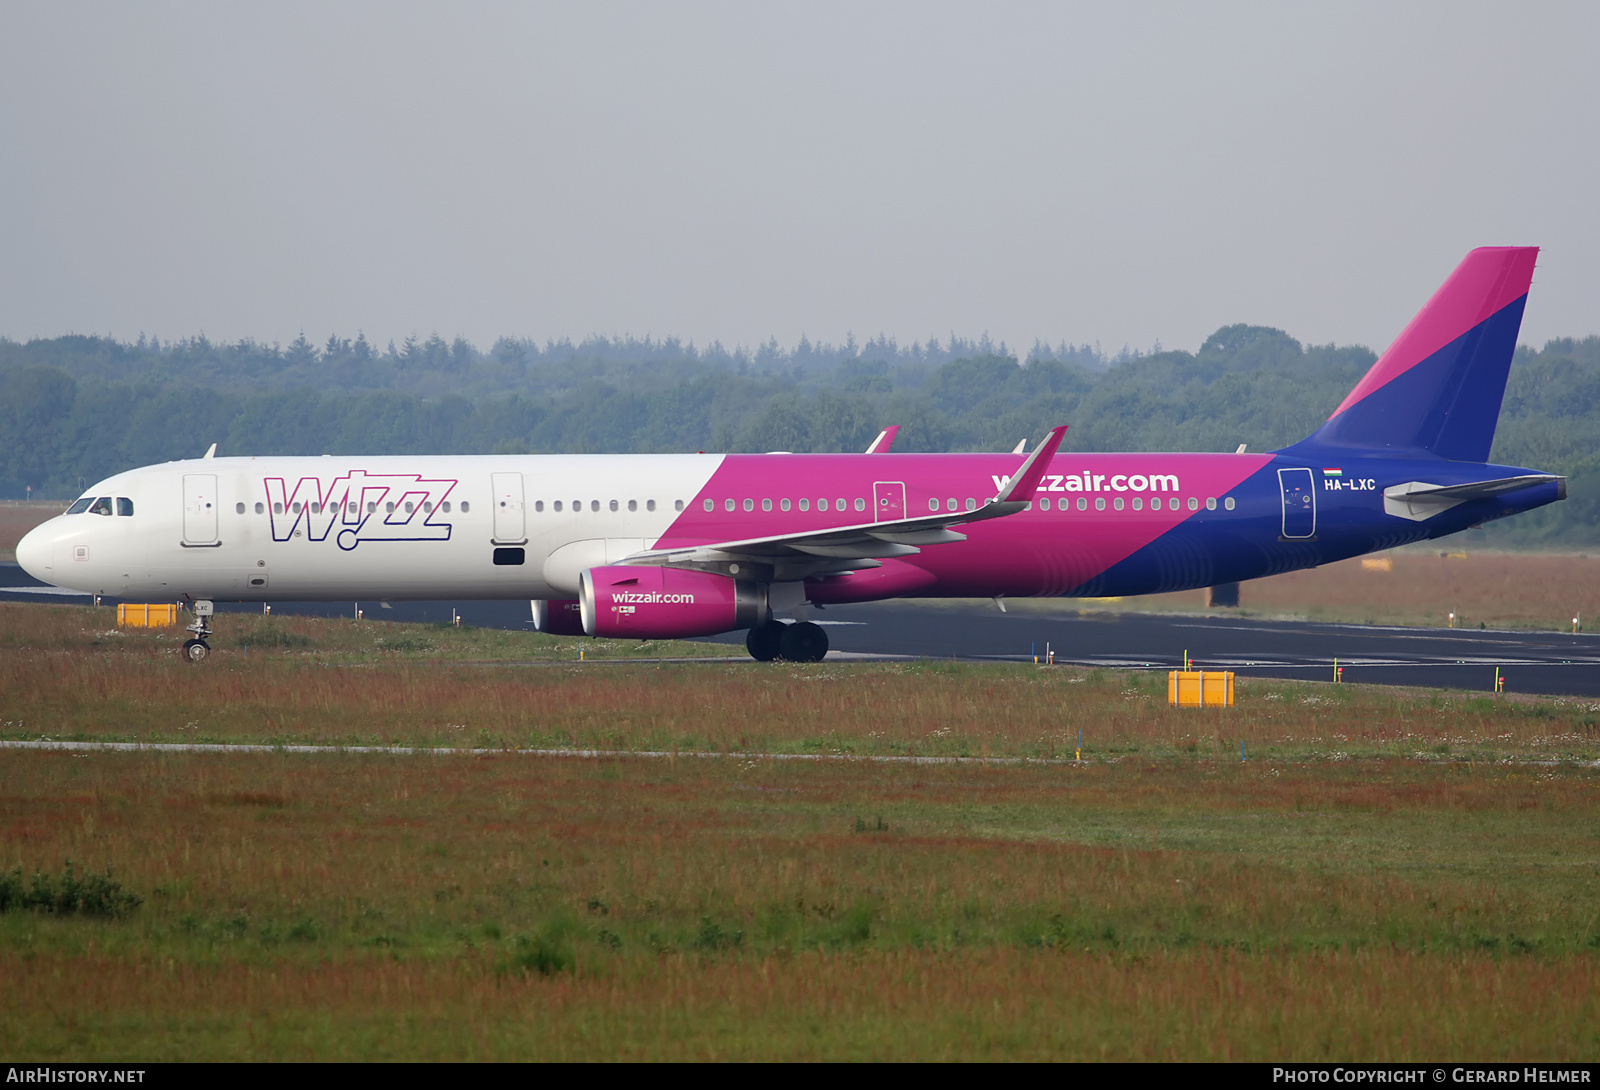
x=359, y=506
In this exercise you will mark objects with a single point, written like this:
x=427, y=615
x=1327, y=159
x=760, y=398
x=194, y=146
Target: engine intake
x=626, y=602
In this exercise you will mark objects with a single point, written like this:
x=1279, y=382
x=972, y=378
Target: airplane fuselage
x=498, y=527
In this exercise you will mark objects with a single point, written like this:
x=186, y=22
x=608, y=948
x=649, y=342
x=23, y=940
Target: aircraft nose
x=33, y=553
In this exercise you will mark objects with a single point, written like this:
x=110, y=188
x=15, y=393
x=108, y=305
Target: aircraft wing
x=868, y=541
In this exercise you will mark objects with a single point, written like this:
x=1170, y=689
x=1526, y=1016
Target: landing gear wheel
x=763, y=640
x=803, y=642
x=197, y=649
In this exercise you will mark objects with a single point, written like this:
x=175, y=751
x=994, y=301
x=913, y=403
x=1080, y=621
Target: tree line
x=80, y=408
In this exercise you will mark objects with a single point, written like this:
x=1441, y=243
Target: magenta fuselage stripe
x=1033, y=552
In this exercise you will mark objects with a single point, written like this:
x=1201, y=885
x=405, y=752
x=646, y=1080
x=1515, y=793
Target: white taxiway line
x=413, y=751
x=616, y=754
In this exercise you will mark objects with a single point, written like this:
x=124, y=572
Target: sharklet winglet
x=884, y=441
x=1019, y=489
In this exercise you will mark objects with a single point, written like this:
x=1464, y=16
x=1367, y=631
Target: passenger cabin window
x=80, y=506
x=613, y=505
x=711, y=505
x=238, y=508
x=861, y=504
x=556, y=505
x=538, y=505
x=465, y=507
x=784, y=505
x=1228, y=503
x=633, y=505
x=261, y=508
x=446, y=506
x=805, y=505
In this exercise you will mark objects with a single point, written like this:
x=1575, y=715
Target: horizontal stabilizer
x=1418, y=500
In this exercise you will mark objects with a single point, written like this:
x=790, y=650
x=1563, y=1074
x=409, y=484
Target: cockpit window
x=101, y=506
x=124, y=506
x=81, y=506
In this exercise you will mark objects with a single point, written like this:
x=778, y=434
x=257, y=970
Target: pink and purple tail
x=1438, y=388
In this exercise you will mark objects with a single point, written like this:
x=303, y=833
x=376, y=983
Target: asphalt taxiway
x=1551, y=663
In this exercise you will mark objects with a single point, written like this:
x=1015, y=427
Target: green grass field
x=1390, y=875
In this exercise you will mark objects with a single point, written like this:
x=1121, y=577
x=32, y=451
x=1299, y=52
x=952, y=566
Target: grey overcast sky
x=1121, y=173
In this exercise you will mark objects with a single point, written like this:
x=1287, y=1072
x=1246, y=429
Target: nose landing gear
x=197, y=649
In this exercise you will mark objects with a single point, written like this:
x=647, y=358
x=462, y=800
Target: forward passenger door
x=510, y=524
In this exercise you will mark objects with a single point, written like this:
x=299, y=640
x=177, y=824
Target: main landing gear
x=800, y=642
x=197, y=649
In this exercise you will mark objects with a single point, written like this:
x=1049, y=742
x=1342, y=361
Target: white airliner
x=681, y=545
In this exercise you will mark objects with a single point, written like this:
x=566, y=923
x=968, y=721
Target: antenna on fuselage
x=211, y=451
x=1241, y=448
x=1021, y=447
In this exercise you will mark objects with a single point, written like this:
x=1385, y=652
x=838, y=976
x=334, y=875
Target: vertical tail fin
x=1438, y=388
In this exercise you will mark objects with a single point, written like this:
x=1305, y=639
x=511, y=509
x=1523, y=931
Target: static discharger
x=1200, y=688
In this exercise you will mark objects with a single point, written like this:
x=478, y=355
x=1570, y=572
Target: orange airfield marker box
x=1200, y=688
x=139, y=615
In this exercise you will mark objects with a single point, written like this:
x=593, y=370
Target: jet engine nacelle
x=558, y=618
x=626, y=602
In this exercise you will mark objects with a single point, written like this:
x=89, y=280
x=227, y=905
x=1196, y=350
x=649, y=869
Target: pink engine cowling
x=648, y=603
x=560, y=617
